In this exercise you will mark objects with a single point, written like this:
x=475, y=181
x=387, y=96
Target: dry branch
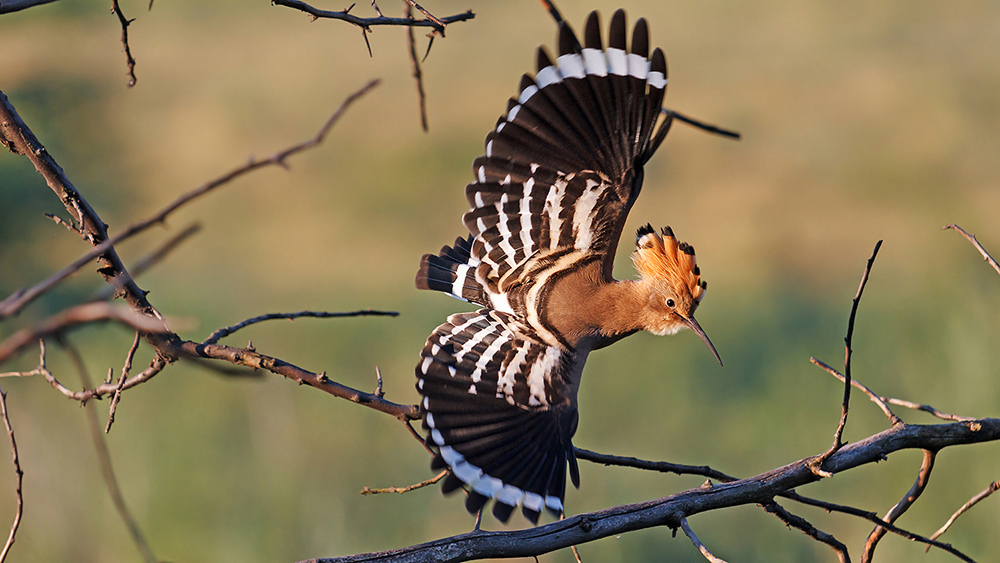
x=911, y=496
x=18, y=477
x=365, y=23
x=668, y=511
x=125, y=22
x=224, y=332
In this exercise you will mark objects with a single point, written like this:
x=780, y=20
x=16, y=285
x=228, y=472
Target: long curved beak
x=691, y=323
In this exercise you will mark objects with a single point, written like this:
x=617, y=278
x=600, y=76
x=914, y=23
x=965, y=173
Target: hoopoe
x=562, y=169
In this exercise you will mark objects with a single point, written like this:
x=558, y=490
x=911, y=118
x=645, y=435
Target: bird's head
x=672, y=281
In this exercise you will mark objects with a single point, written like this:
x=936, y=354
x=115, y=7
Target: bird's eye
x=670, y=303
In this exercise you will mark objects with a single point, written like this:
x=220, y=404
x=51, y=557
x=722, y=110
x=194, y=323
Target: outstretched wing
x=497, y=403
x=562, y=168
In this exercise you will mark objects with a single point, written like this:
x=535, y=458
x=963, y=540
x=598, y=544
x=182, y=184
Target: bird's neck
x=592, y=313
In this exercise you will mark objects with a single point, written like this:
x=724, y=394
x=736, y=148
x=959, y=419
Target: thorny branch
x=417, y=74
x=224, y=332
x=121, y=381
x=125, y=22
x=18, y=477
x=438, y=24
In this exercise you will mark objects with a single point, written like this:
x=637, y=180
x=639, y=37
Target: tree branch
x=668, y=511
x=975, y=242
x=992, y=488
x=224, y=332
x=817, y=464
x=18, y=477
x=911, y=496
x=365, y=23
x=125, y=22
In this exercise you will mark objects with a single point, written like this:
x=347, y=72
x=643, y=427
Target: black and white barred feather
x=560, y=172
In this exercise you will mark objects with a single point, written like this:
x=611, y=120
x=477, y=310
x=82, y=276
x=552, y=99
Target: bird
x=561, y=170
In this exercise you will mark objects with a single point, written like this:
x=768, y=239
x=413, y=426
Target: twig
x=18, y=477
x=975, y=242
x=155, y=257
x=661, y=466
x=406, y=489
x=882, y=401
x=893, y=419
x=75, y=316
x=697, y=543
x=992, y=488
x=224, y=332
x=378, y=386
x=417, y=74
x=808, y=529
x=121, y=381
x=316, y=13
x=911, y=496
x=104, y=460
x=125, y=22
x=817, y=464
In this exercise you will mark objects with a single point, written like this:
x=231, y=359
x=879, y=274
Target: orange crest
x=664, y=259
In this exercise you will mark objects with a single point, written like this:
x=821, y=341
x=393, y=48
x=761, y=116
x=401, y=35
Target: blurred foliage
x=861, y=121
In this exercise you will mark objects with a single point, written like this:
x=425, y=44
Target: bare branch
x=661, y=466
x=975, y=242
x=224, y=332
x=7, y=6
x=817, y=464
x=881, y=401
x=75, y=316
x=893, y=419
x=801, y=524
x=366, y=23
x=125, y=22
x=923, y=476
x=992, y=488
x=251, y=358
x=18, y=477
x=760, y=489
x=121, y=381
x=408, y=488
x=417, y=74
x=697, y=543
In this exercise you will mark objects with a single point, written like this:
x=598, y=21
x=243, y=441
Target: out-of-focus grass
x=861, y=122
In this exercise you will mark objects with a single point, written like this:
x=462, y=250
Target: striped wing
x=562, y=167
x=497, y=406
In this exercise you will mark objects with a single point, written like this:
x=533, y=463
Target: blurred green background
x=861, y=122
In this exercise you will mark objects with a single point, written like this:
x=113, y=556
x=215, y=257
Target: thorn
x=322, y=377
